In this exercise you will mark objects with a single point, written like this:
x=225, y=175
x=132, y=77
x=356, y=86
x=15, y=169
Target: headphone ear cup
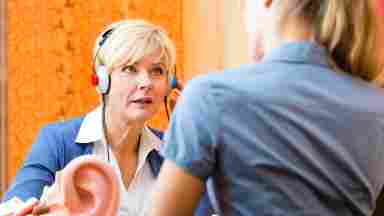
x=104, y=80
x=172, y=83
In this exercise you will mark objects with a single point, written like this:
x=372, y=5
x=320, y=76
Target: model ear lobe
x=90, y=187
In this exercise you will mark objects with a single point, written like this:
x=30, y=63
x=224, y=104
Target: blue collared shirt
x=287, y=136
x=57, y=144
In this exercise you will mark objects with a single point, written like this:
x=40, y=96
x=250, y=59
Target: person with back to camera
x=298, y=132
x=133, y=68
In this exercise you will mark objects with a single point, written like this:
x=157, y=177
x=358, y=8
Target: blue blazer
x=53, y=149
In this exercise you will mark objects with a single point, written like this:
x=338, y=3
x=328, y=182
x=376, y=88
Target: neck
x=290, y=32
x=123, y=136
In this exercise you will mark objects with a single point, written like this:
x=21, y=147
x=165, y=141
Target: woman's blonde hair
x=126, y=42
x=345, y=27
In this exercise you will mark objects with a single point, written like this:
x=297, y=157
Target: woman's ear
x=90, y=187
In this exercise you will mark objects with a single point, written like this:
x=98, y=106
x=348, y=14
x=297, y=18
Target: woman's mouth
x=143, y=101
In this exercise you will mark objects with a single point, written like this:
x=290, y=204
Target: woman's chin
x=138, y=115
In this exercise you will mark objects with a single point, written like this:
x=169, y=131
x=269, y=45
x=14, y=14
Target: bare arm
x=176, y=193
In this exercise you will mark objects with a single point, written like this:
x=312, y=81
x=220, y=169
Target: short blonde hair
x=131, y=40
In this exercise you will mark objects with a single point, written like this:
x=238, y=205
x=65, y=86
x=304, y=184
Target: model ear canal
x=90, y=187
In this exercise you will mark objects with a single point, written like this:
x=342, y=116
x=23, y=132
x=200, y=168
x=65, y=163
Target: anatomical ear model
x=87, y=187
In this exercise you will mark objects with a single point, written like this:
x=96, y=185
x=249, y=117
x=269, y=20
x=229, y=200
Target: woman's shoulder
x=54, y=132
x=69, y=125
x=60, y=138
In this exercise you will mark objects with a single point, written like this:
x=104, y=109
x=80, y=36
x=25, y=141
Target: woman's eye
x=157, y=71
x=129, y=69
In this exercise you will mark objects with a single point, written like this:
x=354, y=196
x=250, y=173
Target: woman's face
x=137, y=91
x=255, y=15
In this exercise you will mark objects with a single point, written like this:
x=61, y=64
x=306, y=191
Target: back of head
x=126, y=42
x=345, y=27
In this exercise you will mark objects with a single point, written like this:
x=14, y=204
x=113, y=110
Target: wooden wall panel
x=49, y=66
x=202, y=20
x=222, y=41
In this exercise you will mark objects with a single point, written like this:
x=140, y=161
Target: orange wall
x=49, y=47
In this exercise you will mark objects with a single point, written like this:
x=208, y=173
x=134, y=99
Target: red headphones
x=100, y=77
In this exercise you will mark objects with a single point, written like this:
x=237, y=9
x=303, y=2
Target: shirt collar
x=149, y=142
x=91, y=131
x=299, y=52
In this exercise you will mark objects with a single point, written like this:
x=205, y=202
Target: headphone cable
x=166, y=107
x=104, y=123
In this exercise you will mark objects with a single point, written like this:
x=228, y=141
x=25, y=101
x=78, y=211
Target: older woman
x=133, y=61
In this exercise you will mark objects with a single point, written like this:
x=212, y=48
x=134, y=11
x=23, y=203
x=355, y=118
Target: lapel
x=155, y=162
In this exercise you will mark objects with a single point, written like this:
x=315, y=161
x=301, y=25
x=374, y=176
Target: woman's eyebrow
x=127, y=65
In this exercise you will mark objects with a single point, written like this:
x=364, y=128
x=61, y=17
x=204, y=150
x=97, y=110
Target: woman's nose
x=144, y=81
